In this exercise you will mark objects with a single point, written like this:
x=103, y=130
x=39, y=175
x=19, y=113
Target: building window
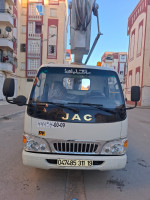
x=39, y=9
x=22, y=66
x=53, y=12
x=34, y=46
x=31, y=28
x=33, y=64
x=23, y=47
x=52, y=50
x=137, y=76
x=24, y=11
x=132, y=42
x=32, y=9
x=140, y=35
x=35, y=9
x=123, y=58
x=52, y=42
x=23, y=29
x=38, y=28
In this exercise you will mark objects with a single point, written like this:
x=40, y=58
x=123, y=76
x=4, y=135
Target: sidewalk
x=9, y=110
x=138, y=107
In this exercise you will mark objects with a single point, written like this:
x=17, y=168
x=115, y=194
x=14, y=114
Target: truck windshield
x=77, y=86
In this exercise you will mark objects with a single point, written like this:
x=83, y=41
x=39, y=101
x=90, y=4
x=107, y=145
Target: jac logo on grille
x=86, y=117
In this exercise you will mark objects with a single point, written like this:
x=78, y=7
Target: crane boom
x=80, y=27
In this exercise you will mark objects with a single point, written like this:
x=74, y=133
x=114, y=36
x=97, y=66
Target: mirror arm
x=130, y=108
x=10, y=101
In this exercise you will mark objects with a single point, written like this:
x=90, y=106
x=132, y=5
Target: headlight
x=117, y=147
x=35, y=144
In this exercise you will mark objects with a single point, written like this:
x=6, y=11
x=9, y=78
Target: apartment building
x=42, y=35
x=139, y=51
x=8, y=41
x=117, y=60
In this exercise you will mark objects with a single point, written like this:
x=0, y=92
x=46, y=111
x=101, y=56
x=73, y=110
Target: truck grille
x=75, y=147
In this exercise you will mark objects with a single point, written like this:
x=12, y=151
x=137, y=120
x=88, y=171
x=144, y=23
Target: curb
x=11, y=115
x=143, y=107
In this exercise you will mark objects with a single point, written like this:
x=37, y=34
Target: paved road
x=22, y=182
x=7, y=109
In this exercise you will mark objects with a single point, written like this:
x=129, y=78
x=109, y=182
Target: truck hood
x=73, y=131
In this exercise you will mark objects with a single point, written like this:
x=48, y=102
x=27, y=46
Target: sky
x=113, y=17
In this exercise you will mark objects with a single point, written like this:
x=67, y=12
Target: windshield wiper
x=56, y=104
x=98, y=106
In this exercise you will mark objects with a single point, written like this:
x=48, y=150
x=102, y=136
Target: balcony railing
x=34, y=35
x=6, y=66
x=6, y=42
x=31, y=73
x=7, y=36
x=34, y=55
x=7, y=58
x=7, y=17
x=6, y=11
x=35, y=17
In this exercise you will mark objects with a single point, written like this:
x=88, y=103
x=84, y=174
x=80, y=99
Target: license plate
x=74, y=163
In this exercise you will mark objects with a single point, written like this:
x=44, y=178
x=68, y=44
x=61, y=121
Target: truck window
x=60, y=93
x=93, y=86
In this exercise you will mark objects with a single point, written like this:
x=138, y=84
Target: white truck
x=76, y=114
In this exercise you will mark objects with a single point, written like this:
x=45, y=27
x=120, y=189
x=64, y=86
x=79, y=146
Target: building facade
x=8, y=41
x=42, y=35
x=139, y=52
x=117, y=60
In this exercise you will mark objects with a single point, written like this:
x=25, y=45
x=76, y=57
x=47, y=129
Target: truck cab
x=75, y=119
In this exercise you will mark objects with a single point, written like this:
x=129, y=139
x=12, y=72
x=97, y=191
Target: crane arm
x=80, y=28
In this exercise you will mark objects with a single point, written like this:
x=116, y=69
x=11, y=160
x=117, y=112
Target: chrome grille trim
x=75, y=147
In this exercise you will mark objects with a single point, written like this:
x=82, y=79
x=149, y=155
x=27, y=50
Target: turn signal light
x=24, y=139
x=126, y=143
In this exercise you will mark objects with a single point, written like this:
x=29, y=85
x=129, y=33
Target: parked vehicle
x=75, y=118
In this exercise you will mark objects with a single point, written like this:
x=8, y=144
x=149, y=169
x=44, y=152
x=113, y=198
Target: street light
x=53, y=35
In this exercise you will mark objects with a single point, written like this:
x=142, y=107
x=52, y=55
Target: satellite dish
x=8, y=29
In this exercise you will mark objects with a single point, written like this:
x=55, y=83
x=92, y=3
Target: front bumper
x=39, y=160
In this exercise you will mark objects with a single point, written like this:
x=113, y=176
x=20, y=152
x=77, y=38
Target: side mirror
x=20, y=100
x=9, y=87
x=135, y=96
x=135, y=93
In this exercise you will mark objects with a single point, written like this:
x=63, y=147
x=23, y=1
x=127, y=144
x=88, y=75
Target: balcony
x=6, y=41
x=10, y=2
x=6, y=17
x=8, y=67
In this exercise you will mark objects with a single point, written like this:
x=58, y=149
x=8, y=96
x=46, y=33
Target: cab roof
x=78, y=66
